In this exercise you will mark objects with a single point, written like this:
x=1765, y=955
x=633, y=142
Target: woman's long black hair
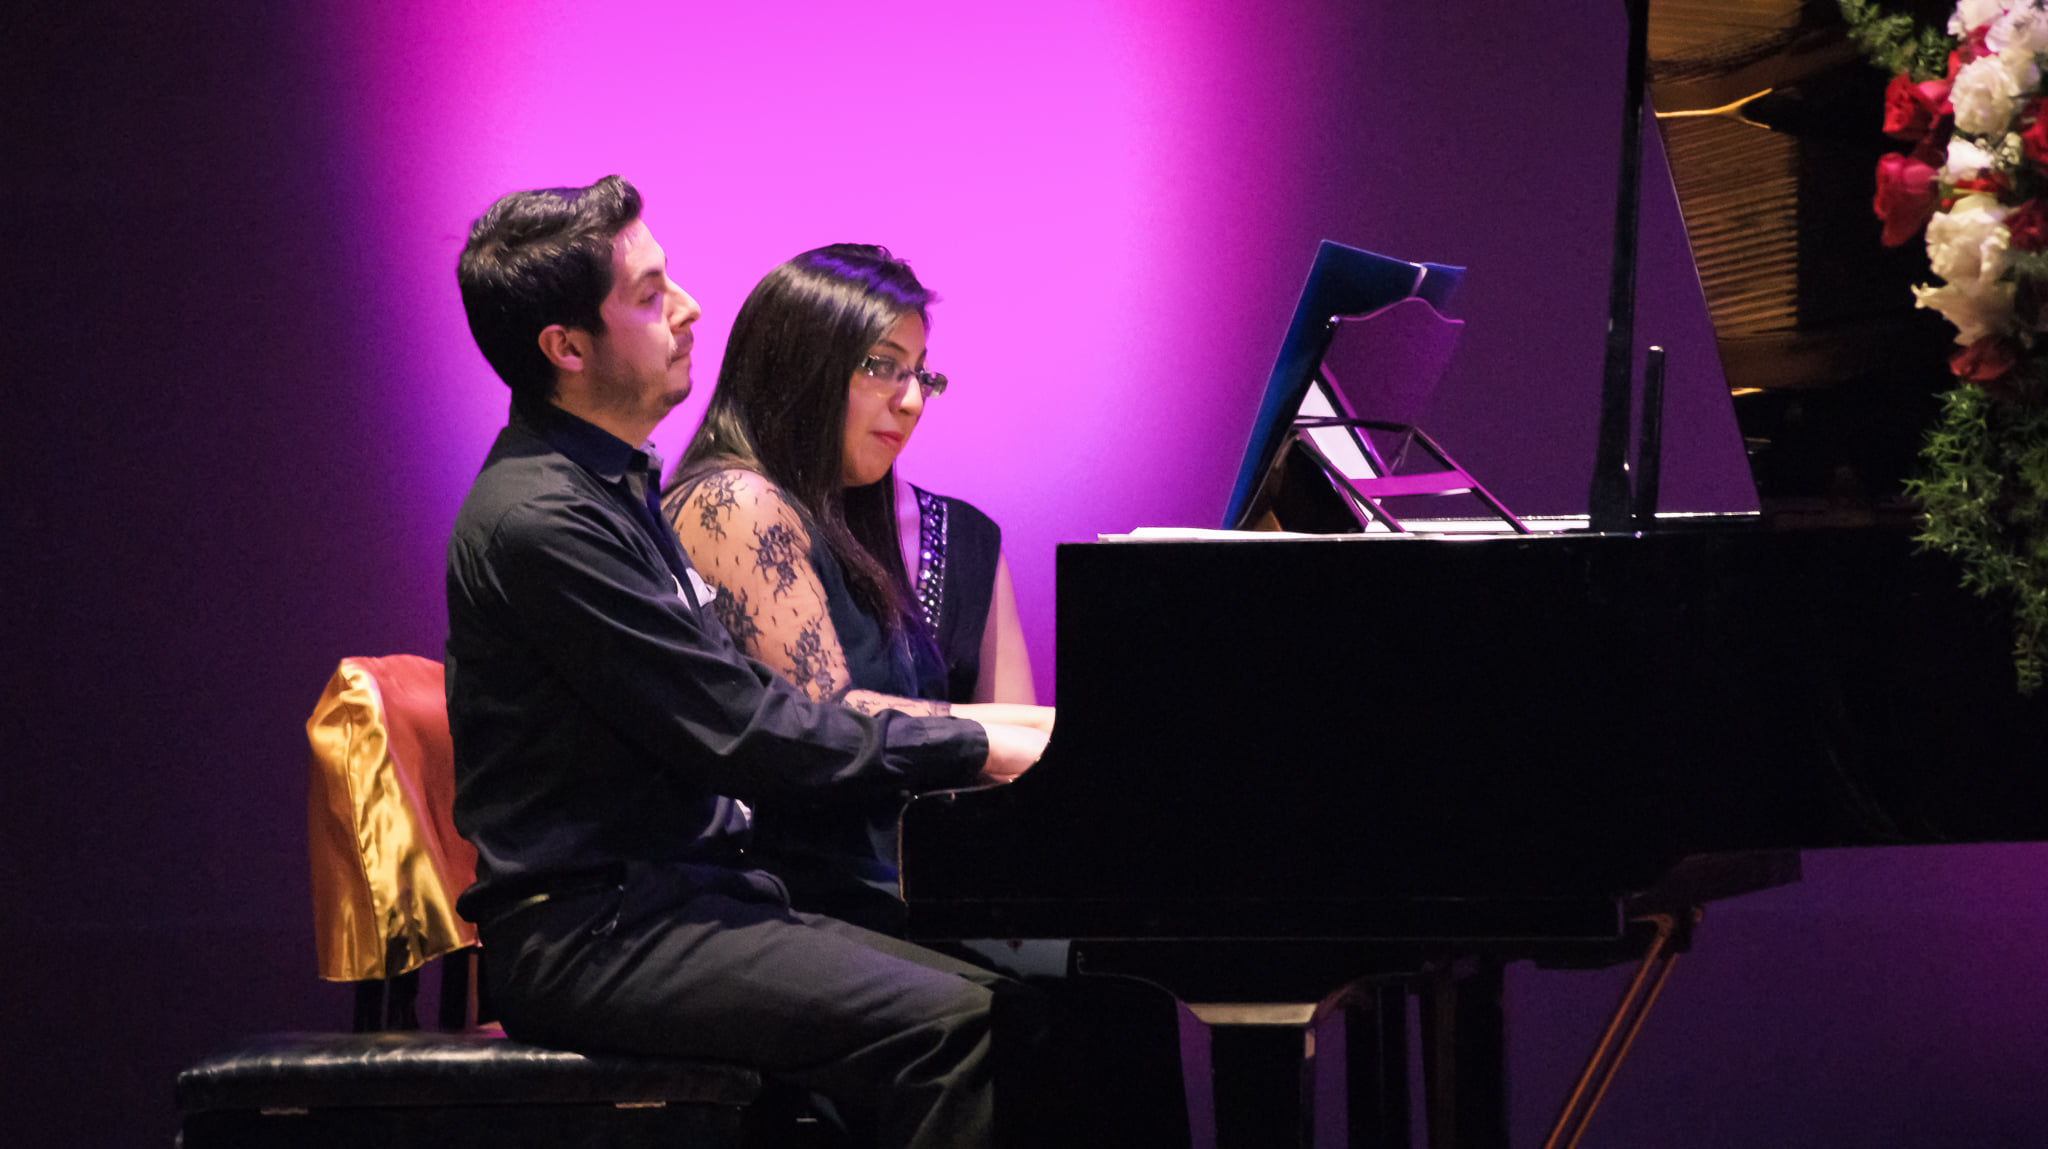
x=780, y=407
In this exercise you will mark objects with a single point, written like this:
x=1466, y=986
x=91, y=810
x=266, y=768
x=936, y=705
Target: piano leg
x=1355, y=1070
x=1464, y=1074
x=1326, y=1076
x=1243, y=1065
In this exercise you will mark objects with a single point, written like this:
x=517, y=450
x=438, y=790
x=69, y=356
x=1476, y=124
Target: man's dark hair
x=780, y=407
x=538, y=258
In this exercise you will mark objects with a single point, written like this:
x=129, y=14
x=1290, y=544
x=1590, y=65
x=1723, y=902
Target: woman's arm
x=1005, y=663
x=749, y=543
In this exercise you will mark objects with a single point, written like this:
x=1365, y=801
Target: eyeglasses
x=883, y=367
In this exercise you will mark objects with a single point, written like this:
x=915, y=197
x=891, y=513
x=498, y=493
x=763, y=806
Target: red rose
x=2034, y=134
x=2028, y=225
x=1911, y=111
x=1973, y=46
x=1906, y=192
x=1987, y=362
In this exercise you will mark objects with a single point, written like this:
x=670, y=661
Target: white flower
x=1971, y=159
x=1984, y=95
x=2018, y=38
x=1968, y=243
x=2017, y=59
x=2026, y=31
x=1974, y=14
x=1967, y=159
x=1976, y=313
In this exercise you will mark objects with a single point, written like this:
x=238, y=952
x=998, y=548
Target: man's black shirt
x=601, y=715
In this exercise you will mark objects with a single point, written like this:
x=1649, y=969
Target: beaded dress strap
x=931, y=556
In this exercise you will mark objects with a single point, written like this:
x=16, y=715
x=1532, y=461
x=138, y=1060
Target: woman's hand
x=1008, y=714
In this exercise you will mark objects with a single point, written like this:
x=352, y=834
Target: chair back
x=387, y=863
x=387, y=866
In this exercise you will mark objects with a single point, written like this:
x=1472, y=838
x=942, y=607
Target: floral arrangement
x=1969, y=105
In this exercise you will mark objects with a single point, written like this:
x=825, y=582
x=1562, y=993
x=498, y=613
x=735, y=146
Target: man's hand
x=1011, y=751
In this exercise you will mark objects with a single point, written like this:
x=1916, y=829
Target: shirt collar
x=586, y=444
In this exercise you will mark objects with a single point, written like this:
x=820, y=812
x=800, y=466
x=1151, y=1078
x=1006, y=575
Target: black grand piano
x=1395, y=762
x=1606, y=728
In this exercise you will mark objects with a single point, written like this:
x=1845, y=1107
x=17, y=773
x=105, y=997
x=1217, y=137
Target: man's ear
x=565, y=347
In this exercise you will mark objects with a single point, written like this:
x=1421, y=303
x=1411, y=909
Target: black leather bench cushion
x=325, y=1070
x=474, y=1127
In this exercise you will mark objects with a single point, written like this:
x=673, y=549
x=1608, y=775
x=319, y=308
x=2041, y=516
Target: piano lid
x=1771, y=120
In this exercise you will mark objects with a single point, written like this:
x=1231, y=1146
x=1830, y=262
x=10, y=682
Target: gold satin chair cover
x=387, y=862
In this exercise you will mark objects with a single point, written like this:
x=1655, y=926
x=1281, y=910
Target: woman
x=787, y=503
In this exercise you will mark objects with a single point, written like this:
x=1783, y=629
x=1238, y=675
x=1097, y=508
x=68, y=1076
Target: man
x=608, y=734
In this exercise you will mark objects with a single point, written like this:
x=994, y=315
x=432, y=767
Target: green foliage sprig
x=1985, y=500
x=1898, y=41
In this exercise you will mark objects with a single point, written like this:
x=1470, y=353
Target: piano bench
x=320, y=1090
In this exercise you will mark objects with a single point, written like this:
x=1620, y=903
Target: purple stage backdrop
x=247, y=408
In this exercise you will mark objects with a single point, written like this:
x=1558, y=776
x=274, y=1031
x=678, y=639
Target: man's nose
x=686, y=309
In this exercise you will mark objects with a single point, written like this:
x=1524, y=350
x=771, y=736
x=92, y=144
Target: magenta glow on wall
x=1116, y=201
x=1010, y=155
